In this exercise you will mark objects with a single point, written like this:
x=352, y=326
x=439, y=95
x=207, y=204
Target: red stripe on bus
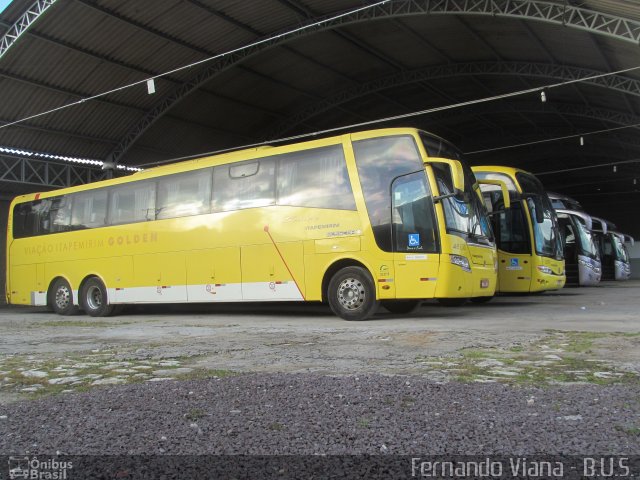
x=266, y=229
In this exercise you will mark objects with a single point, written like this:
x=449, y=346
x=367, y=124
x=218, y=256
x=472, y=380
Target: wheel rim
x=63, y=297
x=94, y=298
x=351, y=293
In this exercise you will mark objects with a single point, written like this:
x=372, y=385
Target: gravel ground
x=299, y=391
x=301, y=414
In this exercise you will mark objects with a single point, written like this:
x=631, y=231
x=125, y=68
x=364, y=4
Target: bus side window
x=89, y=209
x=60, y=214
x=315, y=178
x=413, y=216
x=42, y=222
x=31, y=219
x=569, y=238
x=21, y=225
x=184, y=194
x=512, y=230
x=244, y=185
x=379, y=161
x=132, y=202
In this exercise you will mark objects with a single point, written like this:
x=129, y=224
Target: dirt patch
x=559, y=357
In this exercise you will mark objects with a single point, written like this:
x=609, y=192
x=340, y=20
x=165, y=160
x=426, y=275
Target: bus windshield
x=466, y=217
x=587, y=245
x=510, y=225
x=546, y=235
x=621, y=251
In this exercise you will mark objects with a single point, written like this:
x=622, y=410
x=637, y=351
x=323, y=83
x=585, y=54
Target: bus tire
x=482, y=299
x=452, y=302
x=351, y=294
x=401, y=306
x=61, y=298
x=94, y=298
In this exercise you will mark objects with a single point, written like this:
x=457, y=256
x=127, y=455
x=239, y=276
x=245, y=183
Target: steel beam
x=28, y=18
x=15, y=169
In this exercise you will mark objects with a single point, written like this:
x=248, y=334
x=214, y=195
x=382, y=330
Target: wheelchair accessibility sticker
x=414, y=240
x=514, y=264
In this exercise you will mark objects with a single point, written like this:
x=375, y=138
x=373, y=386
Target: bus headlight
x=589, y=265
x=462, y=262
x=545, y=270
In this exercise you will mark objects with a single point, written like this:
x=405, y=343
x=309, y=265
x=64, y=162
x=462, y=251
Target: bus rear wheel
x=94, y=299
x=351, y=294
x=61, y=298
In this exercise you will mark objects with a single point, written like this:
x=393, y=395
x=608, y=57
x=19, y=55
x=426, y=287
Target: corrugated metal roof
x=329, y=78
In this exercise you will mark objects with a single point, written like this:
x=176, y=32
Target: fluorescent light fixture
x=50, y=156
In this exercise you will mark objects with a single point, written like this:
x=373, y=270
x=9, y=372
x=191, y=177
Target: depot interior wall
x=4, y=215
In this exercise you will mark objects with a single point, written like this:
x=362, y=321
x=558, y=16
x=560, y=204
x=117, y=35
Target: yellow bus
x=386, y=216
x=530, y=245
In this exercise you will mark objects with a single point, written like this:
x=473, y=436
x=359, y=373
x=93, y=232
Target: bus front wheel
x=94, y=298
x=61, y=298
x=351, y=294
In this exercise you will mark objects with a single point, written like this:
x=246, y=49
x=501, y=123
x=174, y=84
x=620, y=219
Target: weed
x=364, y=423
x=407, y=401
x=633, y=431
x=194, y=414
x=533, y=364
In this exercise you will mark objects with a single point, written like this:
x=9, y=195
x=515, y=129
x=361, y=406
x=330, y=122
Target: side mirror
x=629, y=239
x=603, y=224
x=506, y=200
x=455, y=167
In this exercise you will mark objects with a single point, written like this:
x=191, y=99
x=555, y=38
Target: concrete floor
x=303, y=338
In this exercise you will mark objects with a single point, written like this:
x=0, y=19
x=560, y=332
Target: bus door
x=414, y=237
x=514, y=249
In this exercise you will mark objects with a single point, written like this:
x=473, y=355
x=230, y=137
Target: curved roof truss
x=521, y=69
x=619, y=28
x=27, y=19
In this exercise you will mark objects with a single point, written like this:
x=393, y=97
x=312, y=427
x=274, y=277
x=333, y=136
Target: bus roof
x=225, y=156
x=576, y=213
